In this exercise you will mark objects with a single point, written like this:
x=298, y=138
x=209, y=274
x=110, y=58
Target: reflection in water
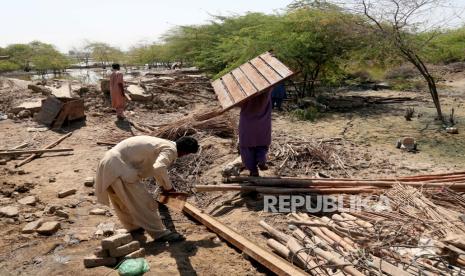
x=85, y=76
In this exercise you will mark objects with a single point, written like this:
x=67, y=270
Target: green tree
x=20, y=54
x=46, y=58
x=104, y=53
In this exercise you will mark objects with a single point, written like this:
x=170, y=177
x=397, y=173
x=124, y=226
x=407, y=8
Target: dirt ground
x=369, y=136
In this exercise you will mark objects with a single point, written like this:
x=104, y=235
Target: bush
x=408, y=85
x=308, y=114
x=6, y=66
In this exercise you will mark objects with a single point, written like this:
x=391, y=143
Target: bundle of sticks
x=305, y=156
x=222, y=126
x=285, y=185
x=407, y=241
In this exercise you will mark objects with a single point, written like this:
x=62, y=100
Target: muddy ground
x=366, y=137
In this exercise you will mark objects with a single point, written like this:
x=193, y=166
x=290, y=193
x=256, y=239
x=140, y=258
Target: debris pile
x=114, y=249
x=304, y=157
x=415, y=237
x=223, y=126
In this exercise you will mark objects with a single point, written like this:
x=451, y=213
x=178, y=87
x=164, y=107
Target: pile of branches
x=303, y=157
x=415, y=237
x=223, y=126
x=186, y=172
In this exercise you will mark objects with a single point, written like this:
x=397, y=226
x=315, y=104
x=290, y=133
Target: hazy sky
x=122, y=23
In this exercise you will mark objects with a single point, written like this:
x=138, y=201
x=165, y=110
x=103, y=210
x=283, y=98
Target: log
x=358, y=221
x=279, y=248
x=264, y=257
x=49, y=146
x=278, y=235
x=347, y=245
x=297, y=252
x=343, y=222
x=19, y=152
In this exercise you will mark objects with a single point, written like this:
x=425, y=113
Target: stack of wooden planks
x=278, y=185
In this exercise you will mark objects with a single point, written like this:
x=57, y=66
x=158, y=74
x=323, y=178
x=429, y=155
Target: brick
x=48, y=228
x=116, y=240
x=136, y=254
x=94, y=261
x=65, y=193
x=124, y=249
x=101, y=253
x=32, y=226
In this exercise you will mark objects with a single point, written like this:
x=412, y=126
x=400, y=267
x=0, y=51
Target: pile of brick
x=114, y=249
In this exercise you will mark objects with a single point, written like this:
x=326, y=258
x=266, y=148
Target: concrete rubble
x=138, y=93
x=9, y=211
x=28, y=200
x=48, y=228
x=32, y=106
x=32, y=226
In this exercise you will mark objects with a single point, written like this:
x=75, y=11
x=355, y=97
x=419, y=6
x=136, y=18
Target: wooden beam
x=264, y=257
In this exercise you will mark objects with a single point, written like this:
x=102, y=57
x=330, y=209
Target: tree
x=104, y=53
x=45, y=57
x=20, y=54
x=316, y=41
x=397, y=22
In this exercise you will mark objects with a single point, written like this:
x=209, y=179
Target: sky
x=121, y=23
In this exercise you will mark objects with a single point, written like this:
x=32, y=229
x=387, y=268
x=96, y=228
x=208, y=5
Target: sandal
x=171, y=237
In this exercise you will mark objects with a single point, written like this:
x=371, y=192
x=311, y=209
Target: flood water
x=84, y=76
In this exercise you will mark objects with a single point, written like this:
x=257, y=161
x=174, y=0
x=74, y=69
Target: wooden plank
x=242, y=79
x=233, y=88
x=278, y=66
x=260, y=82
x=266, y=71
x=264, y=257
x=223, y=95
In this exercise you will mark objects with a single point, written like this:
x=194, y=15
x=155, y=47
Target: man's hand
x=164, y=191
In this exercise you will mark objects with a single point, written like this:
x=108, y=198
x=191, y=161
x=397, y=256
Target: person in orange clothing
x=118, y=99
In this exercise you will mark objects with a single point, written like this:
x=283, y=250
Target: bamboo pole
x=286, y=190
x=49, y=146
x=19, y=152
